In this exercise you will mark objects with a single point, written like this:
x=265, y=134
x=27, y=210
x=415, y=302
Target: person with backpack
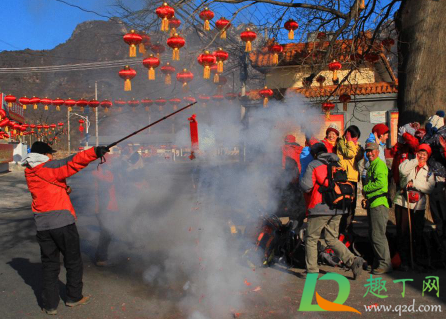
x=325, y=210
x=416, y=180
x=375, y=191
x=350, y=153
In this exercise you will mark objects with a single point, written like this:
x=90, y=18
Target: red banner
x=6, y=153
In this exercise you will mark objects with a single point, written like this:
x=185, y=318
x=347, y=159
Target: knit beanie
x=380, y=129
x=332, y=128
x=440, y=113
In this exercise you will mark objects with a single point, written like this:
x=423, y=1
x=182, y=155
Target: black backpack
x=340, y=193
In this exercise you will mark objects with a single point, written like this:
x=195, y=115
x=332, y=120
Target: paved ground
x=190, y=272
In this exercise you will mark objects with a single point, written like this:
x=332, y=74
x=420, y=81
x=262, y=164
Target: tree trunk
x=422, y=59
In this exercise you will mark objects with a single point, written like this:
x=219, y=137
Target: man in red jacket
x=55, y=220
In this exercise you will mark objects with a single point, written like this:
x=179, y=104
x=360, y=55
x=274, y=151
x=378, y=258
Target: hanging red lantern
x=248, y=36
x=34, y=101
x=81, y=126
x=174, y=24
x=165, y=12
x=190, y=99
x=388, y=43
x=24, y=101
x=132, y=39
x=151, y=63
x=218, y=97
x=223, y=25
x=206, y=15
x=145, y=43
x=215, y=73
x=53, y=126
x=230, y=96
x=160, y=102
x=120, y=103
x=291, y=26
x=10, y=99
x=335, y=66
x=82, y=104
x=60, y=124
x=57, y=103
x=176, y=43
x=344, y=99
x=266, y=94
x=327, y=107
x=275, y=49
x=185, y=77
x=127, y=73
x=167, y=70
x=158, y=49
x=204, y=99
x=320, y=79
x=92, y=104
x=133, y=104
x=46, y=127
x=39, y=127
x=321, y=36
x=46, y=101
x=220, y=56
x=371, y=57
x=70, y=103
x=146, y=103
x=106, y=104
x=5, y=124
x=174, y=102
x=2, y=113
x=206, y=59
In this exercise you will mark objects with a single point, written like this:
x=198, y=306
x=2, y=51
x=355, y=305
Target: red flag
x=193, y=135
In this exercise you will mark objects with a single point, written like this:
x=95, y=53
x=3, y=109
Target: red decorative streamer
x=193, y=135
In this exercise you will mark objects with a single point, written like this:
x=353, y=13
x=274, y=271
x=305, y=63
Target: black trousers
x=346, y=223
x=437, y=204
x=52, y=242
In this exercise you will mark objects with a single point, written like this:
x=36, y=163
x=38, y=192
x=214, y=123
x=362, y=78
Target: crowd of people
x=414, y=168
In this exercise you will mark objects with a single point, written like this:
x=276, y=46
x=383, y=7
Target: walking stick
x=410, y=229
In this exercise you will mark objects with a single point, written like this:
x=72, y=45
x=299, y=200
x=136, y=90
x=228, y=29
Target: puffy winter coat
x=349, y=155
x=401, y=152
x=291, y=160
x=46, y=181
x=316, y=176
x=331, y=148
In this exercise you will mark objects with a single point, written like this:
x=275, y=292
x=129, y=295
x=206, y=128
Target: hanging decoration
x=151, y=63
x=70, y=103
x=320, y=79
x=10, y=99
x=133, y=104
x=344, y=99
x=206, y=59
x=204, y=99
x=291, y=26
x=127, y=73
x=193, y=135
x=57, y=103
x=266, y=94
x=92, y=104
x=327, y=107
x=321, y=36
x=218, y=98
x=221, y=56
x=132, y=39
x=174, y=24
x=335, y=66
x=60, y=124
x=120, y=103
x=165, y=12
x=145, y=43
x=82, y=104
x=160, y=102
x=189, y=99
x=81, y=126
x=388, y=43
x=106, y=105
x=46, y=101
x=206, y=15
x=248, y=36
x=53, y=126
x=223, y=25
x=230, y=96
x=215, y=73
x=174, y=102
x=185, y=77
x=275, y=49
x=176, y=43
x=2, y=113
x=168, y=70
x=34, y=101
x=158, y=49
x=24, y=101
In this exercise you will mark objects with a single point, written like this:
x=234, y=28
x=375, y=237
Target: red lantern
x=388, y=43
x=174, y=102
x=223, y=25
x=266, y=94
x=321, y=36
x=24, y=101
x=248, y=36
x=70, y=103
x=82, y=104
x=275, y=49
x=160, y=102
x=291, y=26
x=60, y=124
x=371, y=57
x=174, y=24
x=53, y=126
x=204, y=99
x=185, y=77
x=81, y=126
x=327, y=107
x=206, y=15
x=230, y=96
x=127, y=73
x=190, y=99
x=132, y=39
x=335, y=66
x=145, y=43
x=2, y=113
x=220, y=56
x=46, y=127
x=214, y=69
x=10, y=99
x=120, y=103
x=133, y=104
x=35, y=101
x=39, y=127
x=218, y=97
x=176, y=43
x=151, y=63
x=320, y=79
x=46, y=101
x=158, y=49
x=147, y=103
x=106, y=104
x=206, y=59
x=168, y=70
x=344, y=99
x=165, y=12
x=93, y=104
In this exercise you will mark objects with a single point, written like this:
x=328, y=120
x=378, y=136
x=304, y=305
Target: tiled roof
x=325, y=91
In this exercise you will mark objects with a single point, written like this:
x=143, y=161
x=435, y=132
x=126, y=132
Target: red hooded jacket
x=292, y=152
x=401, y=152
x=46, y=181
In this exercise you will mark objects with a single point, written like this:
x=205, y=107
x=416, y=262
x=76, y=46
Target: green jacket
x=376, y=182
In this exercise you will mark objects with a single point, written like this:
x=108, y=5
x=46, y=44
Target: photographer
x=55, y=220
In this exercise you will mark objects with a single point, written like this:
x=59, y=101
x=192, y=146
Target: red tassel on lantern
x=193, y=135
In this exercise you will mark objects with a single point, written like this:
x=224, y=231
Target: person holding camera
x=55, y=220
x=416, y=180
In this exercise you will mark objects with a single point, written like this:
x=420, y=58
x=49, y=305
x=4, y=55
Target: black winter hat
x=42, y=148
x=317, y=149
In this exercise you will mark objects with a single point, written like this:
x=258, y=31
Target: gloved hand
x=101, y=151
